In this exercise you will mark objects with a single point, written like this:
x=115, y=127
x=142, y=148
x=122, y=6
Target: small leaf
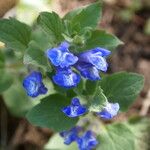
x=35, y=56
x=5, y=80
x=84, y=15
x=116, y=137
x=100, y=38
x=14, y=34
x=52, y=25
x=122, y=88
x=48, y=114
x=98, y=101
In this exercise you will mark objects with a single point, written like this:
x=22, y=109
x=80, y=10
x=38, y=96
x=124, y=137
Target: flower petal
x=75, y=109
x=67, y=79
x=33, y=84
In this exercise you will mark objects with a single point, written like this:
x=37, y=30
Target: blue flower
x=66, y=78
x=88, y=71
x=109, y=111
x=34, y=85
x=87, y=141
x=60, y=56
x=75, y=109
x=71, y=135
x=96, y=58
x=91, y=62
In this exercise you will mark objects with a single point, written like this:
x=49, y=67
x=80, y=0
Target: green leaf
x=116, y=137
x=98, y=101
x=35, y=56
x=52, y=24
x=48, y=114
x=122, y=88
x=57, y=143
x=141, y=129
x=100, y=38
x=2, y=60
x=84, y=15
x=16, y=100
x=5, y=80
x=70, y=15
x=90, y=87
x=14, y=34
x=43, y=41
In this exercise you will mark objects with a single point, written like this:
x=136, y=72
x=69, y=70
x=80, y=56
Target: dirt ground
x=133, y=56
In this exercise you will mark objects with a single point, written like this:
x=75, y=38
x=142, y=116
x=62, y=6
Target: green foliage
x=52, y=24
x=35, y=56
x=2, y=60
x=141, y=130
x=98, y=101
x=133, y=135
x=116, y=137
x=41, y=38
x=14, y=34
x=122, y=88
x=5, y=80
x=90, y=87
x=79, y=27
x=48, y=114
x=84, y=15
x=99, y=38
x=16, y=100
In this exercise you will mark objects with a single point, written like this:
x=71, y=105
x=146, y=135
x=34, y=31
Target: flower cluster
x=85, y=142
x=75, y=109
x=88, y=63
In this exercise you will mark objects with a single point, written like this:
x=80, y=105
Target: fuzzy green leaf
x=35, y=56
x=52, y=24
x=122, y=87
x=14, y=34
x=85, y=14
x=116, y=137
x=5, y=80
x=98, y=101
x=100, y=38
x=48, y=114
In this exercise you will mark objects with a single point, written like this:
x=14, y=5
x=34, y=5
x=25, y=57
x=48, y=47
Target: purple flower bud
x=33, y=84
x=75, y=109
